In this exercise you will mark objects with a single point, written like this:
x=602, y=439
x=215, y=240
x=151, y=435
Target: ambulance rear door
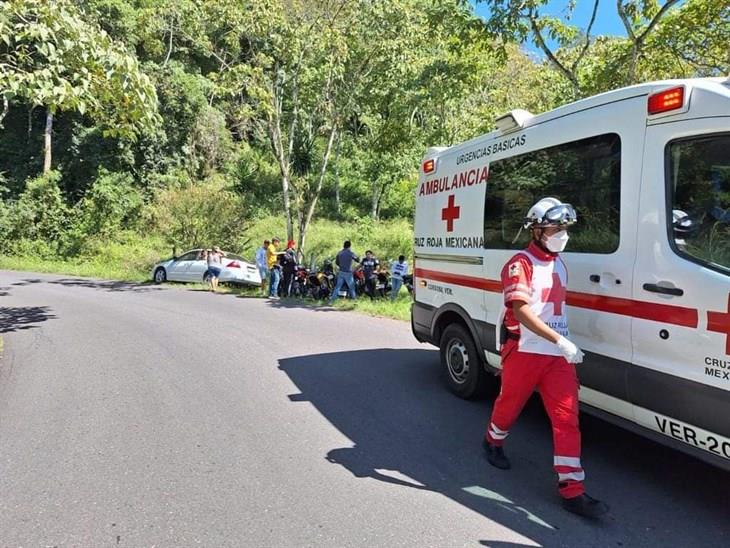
x=449, y=241
x=679, y=383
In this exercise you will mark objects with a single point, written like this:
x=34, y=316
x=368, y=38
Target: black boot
x=496, y=456
x=585, y=506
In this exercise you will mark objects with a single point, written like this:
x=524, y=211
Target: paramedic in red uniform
x=537, y=353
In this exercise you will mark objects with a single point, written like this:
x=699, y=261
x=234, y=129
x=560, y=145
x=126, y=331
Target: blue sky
x=607, y=19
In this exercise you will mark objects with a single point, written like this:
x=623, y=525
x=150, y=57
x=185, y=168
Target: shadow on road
x=107, y=285
x=407, y=430
x=317, y=306
x=304, y=303
x=292, y=302
x=28, y=281
x=23, y=317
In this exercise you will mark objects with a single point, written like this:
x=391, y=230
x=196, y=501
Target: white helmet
x=550, y=211
x=682, y=223
x=683, y=226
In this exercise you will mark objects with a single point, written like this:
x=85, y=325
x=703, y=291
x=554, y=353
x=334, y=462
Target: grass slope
x=131, y=256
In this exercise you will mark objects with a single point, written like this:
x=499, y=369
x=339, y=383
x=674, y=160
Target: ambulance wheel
x=462, y=368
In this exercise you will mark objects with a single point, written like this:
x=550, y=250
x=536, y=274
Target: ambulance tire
x=460, y=363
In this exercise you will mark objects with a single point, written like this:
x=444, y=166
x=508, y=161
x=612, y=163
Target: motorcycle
x=321, y=282
x=382, y=284
x=299, y=286
x=360, y=287
x=329, y=276
x=315, y=289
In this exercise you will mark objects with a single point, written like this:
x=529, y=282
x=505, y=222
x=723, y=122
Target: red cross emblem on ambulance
x=450, y=213
x=719, y=322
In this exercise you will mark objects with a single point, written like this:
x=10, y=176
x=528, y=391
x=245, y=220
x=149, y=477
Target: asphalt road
x=139, y=416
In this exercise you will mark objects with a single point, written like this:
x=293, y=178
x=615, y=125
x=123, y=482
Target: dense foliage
x=186, y=122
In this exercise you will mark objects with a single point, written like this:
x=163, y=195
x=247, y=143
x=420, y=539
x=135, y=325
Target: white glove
x=571, y=352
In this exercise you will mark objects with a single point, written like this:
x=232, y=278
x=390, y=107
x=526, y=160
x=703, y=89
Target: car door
x=591, y=159
x=197, y=269
x=179, y=270
x=680, y=381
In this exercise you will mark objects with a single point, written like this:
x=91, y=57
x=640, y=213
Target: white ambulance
x=647, y=169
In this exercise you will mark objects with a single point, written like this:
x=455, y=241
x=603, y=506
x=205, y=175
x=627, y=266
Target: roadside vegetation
x=382, y=307
x=131, y=128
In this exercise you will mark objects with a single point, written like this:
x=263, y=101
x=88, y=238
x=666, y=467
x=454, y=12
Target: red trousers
x=557, y=383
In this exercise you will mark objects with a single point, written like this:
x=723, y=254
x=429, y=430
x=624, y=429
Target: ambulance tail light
x=429, y=166
x=415, y=284
x=667, y=100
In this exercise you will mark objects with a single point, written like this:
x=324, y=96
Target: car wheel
x=160, y=276
x=462, y=368
x=206, y=277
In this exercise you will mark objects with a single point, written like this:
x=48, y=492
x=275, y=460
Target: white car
x=189, y=267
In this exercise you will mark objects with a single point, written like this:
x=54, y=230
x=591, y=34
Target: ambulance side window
x=698, y=179
x=585, y=173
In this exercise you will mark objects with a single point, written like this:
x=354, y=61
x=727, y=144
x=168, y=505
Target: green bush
x=41, y=216
x=130, y=256
x=110, y=205
x=254, y=174
x=175, y=178
x=199, y=215
x=6, y=227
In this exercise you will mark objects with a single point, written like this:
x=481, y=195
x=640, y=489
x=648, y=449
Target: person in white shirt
x=262, y=264
x=397, y=271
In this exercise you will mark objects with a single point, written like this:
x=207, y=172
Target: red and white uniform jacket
x=540, y=279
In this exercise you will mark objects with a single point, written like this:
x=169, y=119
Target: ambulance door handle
x=595, y=278
x=654, y=288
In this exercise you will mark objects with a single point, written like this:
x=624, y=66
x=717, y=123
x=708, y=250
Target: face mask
x=557, y=242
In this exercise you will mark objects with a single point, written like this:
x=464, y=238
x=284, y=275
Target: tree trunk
x=169, y=47
x=287, y=207
x=4, y=113
x=302, y=239
x=313, y=203
x=278, y=147
x=375, y=200
x=338, y=203
x=47, y=140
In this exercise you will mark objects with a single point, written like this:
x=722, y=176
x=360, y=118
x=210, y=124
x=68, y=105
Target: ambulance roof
x=715, y=85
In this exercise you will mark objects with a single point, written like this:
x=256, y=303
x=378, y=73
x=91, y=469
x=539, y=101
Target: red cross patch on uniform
x=514, y=270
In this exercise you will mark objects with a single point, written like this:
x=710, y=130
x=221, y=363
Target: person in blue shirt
x=344, y=260
x=262, y=265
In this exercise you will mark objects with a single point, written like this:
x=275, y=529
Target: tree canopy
x=291, y=108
